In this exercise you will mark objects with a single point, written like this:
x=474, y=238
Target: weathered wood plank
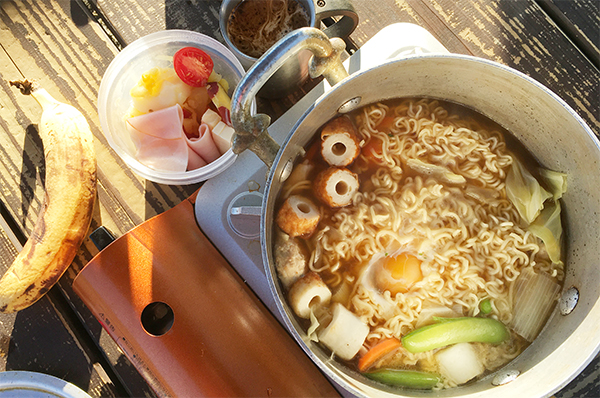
x=136, y=19
x=57, y=44
x=580, y=21
x=515, y=33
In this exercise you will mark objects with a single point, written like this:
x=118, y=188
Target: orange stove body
x=222, y=342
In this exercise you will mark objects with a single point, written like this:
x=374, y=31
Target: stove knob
x=243, y=214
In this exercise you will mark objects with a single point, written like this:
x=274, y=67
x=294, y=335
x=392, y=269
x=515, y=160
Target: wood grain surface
x=515, y=33
x=57, y=44
x=580, y=21
x=67, y=45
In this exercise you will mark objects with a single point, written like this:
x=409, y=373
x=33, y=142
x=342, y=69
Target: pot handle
x=251, y=131
x=345, y=25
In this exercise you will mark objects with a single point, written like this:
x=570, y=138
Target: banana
x=66, y=214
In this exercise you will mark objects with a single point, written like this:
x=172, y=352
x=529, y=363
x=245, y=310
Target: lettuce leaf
x=525, y=192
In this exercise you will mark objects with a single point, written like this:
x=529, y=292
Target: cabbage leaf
x=555, y=181
x=548, y=228
x=314, y=325
x=525, y=192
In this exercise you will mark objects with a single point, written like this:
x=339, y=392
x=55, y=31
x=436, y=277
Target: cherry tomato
x=193, y=66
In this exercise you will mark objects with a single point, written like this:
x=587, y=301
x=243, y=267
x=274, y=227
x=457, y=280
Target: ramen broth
x=431, y=233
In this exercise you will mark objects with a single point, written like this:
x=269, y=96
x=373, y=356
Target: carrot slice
x=378, y=351
x=385, y=124
x=373, y=150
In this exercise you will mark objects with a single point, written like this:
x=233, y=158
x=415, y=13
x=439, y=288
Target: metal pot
x=546, y=125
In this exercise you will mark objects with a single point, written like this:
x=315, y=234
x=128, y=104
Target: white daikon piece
x=459, y=363
x=345, y=334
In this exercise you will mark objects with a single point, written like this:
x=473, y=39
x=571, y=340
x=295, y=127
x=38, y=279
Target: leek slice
x=525, y=192
x=450, y=331
x=485, y=306
x=555, y=181
x=548, y=228
x=535, y=297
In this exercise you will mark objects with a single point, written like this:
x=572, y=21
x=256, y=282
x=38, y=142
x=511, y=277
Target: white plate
x=16, y=384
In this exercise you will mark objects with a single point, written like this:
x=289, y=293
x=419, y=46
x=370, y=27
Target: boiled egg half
x=396, y=272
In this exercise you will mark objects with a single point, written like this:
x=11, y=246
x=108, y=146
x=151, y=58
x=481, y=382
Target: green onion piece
x=485, y=306
x=453, y=331
x=404, y=378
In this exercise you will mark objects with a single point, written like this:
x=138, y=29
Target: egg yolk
x=398, y=273
x=151, y=82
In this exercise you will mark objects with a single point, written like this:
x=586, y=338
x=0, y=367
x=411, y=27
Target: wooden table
x=68, y=44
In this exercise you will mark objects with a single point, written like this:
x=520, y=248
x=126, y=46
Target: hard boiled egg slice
x=397, y=273
x=394, y=273
x=157, y=89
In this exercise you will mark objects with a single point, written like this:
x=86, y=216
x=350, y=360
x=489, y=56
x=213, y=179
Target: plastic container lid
x=123, y=73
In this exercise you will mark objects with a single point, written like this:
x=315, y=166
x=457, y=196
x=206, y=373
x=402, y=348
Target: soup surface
x=255, y=25
x=419, y=243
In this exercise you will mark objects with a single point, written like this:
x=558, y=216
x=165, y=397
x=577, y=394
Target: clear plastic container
x=157, y=50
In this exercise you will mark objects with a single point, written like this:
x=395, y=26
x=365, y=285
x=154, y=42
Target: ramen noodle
x=437, y=230
x=255, y=25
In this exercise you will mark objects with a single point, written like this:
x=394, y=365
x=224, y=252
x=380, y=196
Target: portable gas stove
x=228, y=207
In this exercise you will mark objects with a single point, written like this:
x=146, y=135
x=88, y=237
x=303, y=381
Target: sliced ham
x=195, y=161
x=165, y=123
x=162, y=145
x=158, y=139
x=163, y=155
x=204, y=144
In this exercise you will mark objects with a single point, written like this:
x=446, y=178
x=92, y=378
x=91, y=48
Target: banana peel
x=65, y=217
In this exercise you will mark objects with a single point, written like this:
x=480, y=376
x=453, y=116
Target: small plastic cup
x=123, y=73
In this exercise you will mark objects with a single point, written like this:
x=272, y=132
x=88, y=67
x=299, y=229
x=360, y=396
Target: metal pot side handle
x=345, y=25
x=251, y=131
